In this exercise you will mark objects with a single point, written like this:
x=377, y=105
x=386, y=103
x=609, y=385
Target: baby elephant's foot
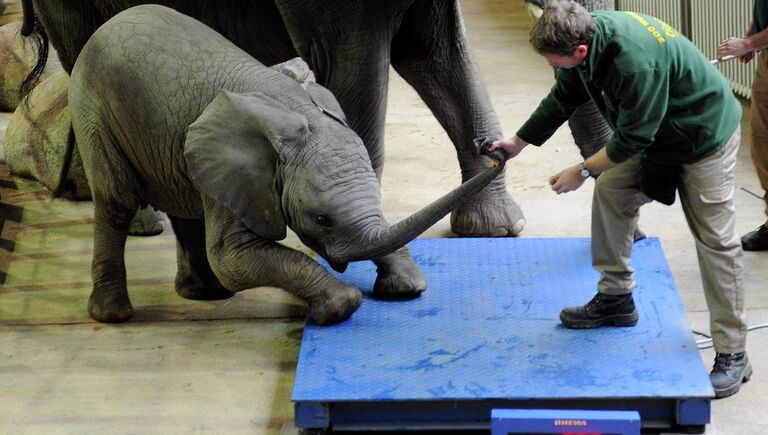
x=110, y=306
x=398, y=277
x=337, y=305
x=192, y=287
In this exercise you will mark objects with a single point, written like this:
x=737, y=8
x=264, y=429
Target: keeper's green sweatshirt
x=655, y=88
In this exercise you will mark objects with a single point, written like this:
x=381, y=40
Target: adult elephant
x=349, y=44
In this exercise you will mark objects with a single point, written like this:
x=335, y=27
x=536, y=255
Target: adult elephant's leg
x=347, y=46
x=590, y=130
x=352, y=60
x=68, y=24
x=593, y=5
x=194, y=277
x=109, y=300
x=588, y=126
x=431, y=52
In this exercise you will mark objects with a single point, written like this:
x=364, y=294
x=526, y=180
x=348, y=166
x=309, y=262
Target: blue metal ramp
x=486, y=335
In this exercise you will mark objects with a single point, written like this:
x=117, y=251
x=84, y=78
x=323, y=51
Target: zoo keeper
x=676, y=127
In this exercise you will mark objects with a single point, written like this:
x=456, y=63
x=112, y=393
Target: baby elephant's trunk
x=398, y=235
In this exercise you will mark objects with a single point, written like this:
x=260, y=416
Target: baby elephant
x=168, y=112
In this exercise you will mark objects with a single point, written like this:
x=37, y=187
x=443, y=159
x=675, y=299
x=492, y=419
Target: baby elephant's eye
x=322, y=220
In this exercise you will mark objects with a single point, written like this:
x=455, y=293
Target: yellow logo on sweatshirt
x=666, y=28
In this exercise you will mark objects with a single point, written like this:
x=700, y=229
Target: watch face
x=584, y=173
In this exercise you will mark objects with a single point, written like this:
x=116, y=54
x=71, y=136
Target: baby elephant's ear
x=231, y=152
x=326, y=102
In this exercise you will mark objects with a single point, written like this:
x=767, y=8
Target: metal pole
x=722, y=59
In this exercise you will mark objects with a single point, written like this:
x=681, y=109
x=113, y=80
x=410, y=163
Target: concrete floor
x=227, y=367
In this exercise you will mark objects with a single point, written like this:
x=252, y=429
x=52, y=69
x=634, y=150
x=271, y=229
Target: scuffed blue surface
x=488, y=328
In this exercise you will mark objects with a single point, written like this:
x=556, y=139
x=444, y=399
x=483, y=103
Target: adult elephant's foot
x=193, y=286
x=490, y=213
x=110, y=306
x=398, y=277
x=336, y=305
x=147, y=222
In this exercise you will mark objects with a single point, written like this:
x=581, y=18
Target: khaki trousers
x=706, y=192
x=759, y=124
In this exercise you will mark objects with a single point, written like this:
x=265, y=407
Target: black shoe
x=730, y=370
x=756, y=240
x=601, y=310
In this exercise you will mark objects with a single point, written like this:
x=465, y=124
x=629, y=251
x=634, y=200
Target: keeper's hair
x=563, y=26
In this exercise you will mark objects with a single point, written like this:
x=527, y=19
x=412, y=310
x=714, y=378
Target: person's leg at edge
x=757, y=240
x=706, y=192
x=615, y=210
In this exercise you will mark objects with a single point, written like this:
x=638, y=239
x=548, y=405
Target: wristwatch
x=583, y=171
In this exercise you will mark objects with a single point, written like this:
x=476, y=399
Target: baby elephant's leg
x=194, y=277
x=109, y=300
x=241, y=259
x=241, y=265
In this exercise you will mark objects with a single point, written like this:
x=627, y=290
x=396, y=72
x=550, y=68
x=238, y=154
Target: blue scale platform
x=486, y=335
